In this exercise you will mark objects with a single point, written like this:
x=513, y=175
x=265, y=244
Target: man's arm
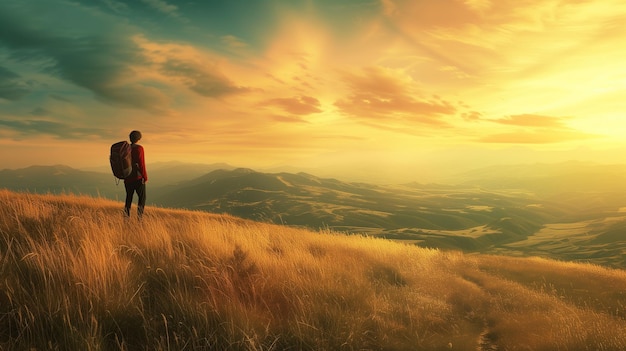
x=142, y=164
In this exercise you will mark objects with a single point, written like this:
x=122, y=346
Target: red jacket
x=139, y=164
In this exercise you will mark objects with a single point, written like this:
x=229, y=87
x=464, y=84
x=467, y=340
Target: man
x=137, y=180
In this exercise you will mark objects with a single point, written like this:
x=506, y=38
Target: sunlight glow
x=316, y=78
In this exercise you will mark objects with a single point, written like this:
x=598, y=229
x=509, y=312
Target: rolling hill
x=516, y=210
x=470, y=216
x=173, y=172
x=59, y=179
x=76, y=275
x=306, y=200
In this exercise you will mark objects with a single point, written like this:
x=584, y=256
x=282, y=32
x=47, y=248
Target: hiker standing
x=136, y=181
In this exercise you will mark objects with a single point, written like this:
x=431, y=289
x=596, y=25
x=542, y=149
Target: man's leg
x=141, y=194
x=130, y=190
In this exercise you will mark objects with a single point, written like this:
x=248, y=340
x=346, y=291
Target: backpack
x=121, y=160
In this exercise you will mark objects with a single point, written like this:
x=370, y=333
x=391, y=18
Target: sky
x=411, y=87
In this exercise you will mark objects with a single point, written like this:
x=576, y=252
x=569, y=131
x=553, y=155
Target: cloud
x=39, y=111
x=472, y=116
x=531, y=120
x=386, y=95
x=288, y=119
x=163, y=7
x=298, y=105
x=535, y=129
x=489, y=39
x=233, y=42
x=478, y=5
x=16, y=35
x=116, y=6
x=36, y=127
x=537, y=137
x=11, y=86
x=102, y=64
x=202, y=80
x=428, y=14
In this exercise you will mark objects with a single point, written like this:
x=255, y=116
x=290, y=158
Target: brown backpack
x=121, y=160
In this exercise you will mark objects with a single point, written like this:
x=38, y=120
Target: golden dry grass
x=76, y=275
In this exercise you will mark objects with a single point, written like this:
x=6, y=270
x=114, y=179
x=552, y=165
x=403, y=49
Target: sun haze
x=387, y=84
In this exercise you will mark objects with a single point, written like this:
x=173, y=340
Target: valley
x=506, y=211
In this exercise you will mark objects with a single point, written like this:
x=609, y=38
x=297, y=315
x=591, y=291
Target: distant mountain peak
x=244, y=170
x=56, y=167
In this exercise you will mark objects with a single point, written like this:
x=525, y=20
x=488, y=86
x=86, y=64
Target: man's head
x=135, y=136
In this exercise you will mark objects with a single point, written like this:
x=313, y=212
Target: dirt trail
x=486, y=341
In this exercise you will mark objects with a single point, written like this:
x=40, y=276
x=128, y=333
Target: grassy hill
x=512, y=221
x=571, y=211
x=76, y=275
x=409, y=212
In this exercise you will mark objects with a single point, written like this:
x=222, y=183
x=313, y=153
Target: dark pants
x=139, y=187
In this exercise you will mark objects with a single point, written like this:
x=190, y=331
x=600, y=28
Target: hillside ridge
x=513, y=217
x=75, y=274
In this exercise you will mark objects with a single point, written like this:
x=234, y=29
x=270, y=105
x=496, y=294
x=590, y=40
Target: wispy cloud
x=37, y=127
x=12, y=87
x=298, y=105
x=163, y=7
x=116, y=6
x=472, y=116
x=389, y=96
x=535, y=129
x=214, y=75
x=537, y=137
x=531, y=120
x=102, y=64
x=205, y=80
x=233, y=42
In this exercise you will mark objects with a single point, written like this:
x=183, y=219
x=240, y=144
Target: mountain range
x=570, y=211
x=58, y=179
